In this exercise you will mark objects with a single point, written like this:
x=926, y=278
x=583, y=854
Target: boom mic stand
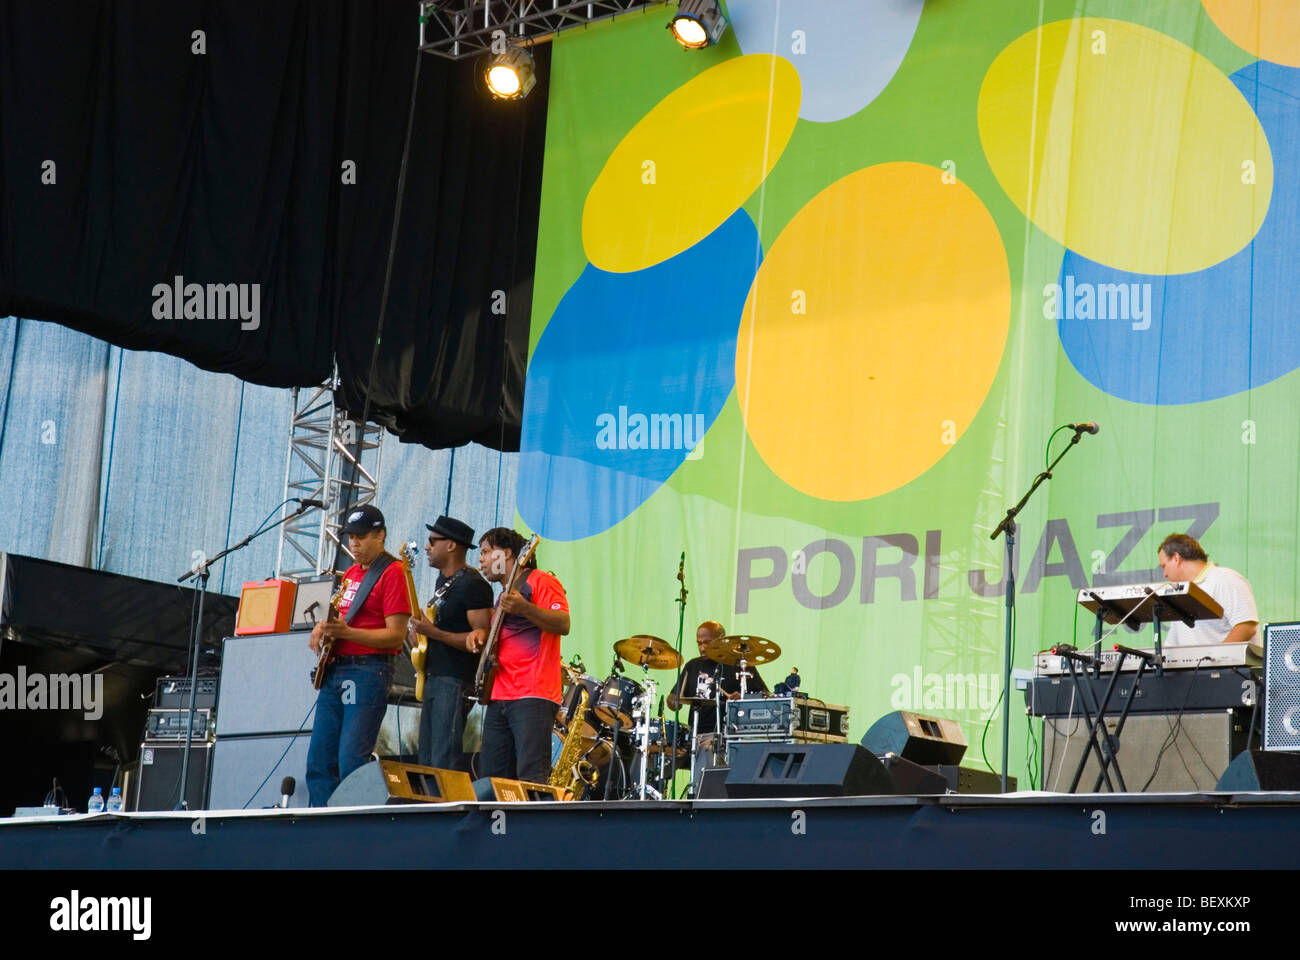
x=681, y=627
x=1008, y=526
x=201, y=571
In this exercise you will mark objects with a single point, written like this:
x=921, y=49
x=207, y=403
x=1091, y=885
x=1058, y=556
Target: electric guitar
x=420, y=645
x=489, y=659
x=326, y=655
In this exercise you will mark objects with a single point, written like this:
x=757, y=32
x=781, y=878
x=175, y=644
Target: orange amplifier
x=265, y=606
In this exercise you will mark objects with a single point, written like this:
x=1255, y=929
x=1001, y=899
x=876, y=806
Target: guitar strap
x=373, y=573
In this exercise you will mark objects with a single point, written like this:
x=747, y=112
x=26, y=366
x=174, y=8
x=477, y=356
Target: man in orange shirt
x=526, y=691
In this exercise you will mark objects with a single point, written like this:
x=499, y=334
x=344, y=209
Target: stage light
x=511, y=75
x=698, y=23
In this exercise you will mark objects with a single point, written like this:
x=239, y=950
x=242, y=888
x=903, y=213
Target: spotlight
x=511, y=75
x=699, y=23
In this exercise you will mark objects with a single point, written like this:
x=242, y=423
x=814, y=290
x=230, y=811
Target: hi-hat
x=733, y=649
x=644, y=650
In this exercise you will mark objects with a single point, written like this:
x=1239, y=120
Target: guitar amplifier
x=174, y=693
x=766, y=718
x=167, y=725
x=819, y=722
x=265, y=606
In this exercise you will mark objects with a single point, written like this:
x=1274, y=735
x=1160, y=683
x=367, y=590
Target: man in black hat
x=463, y=600
x=373, y=611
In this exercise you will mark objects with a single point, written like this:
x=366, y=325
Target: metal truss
x=457, y=29
x=323, y=449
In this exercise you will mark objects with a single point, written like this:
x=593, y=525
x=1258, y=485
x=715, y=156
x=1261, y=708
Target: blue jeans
x=349, y=710
x=517, y=739
x=442, y=723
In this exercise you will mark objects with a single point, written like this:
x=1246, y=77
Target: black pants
x=517, y=739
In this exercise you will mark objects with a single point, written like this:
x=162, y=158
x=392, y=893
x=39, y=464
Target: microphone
x=320, y=504
x=287, y=786
x=1084, y=427
x=681, y=568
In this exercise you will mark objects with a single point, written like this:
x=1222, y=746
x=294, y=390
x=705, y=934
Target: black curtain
x=135, y=149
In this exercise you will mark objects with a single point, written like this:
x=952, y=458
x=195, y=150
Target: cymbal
x=648, y=651
x=731, y=650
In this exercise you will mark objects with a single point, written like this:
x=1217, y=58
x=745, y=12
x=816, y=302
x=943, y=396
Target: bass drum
x=595, y=753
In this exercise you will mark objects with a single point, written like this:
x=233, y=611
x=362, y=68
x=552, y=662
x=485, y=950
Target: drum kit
x=634, y=748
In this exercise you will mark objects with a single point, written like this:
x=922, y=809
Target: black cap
x=363, y=519
x=452, y=529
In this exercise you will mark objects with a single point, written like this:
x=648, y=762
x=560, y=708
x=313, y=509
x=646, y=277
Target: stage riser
x=1071, y=833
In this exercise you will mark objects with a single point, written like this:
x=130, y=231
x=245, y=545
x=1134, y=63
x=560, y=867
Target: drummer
x=699, y=680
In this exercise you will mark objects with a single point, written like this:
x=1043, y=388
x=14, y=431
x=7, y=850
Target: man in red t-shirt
x=354, y=697
x=526, y=692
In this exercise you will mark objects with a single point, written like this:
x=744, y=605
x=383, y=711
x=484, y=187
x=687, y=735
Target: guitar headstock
x=409, y=553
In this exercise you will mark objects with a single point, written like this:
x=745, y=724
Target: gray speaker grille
x=1282, y=686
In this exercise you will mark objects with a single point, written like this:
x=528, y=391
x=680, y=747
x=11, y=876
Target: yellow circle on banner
x=1145, y=156
x=1270, y=29
x=873, y=331
x=690, y=163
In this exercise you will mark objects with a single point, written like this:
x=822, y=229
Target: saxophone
x=571, y=771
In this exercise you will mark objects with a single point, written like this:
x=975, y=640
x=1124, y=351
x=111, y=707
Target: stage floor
x=1017, y=831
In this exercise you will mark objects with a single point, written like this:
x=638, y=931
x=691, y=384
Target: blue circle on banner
x=1193, y=337
x=629, y=374
x=846, y=51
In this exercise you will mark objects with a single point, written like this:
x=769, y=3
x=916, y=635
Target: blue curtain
x=130, y=462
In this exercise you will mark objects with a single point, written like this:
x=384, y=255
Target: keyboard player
x=1184, y=560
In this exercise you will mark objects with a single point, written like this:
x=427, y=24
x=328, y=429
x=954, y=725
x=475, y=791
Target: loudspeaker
x=911, y=779
x=970, y=780
x=805, y=770
x=713, y=783
x=1196, y=756
x=1282, y=686
x=515, y=791
x=386, y=781
x=916, y=738
x=1261, y=770
x=246, y=771
x=265, y=686
x=311, y=601
x=158, y=785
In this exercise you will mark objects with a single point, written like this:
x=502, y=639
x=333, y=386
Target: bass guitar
x=420, y=645
x=490, y=657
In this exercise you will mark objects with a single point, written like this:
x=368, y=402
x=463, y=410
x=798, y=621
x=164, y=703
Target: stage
x=1036, y=831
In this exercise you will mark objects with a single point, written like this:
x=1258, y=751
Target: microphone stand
x=1008, y=526
x=681, y=626
x=201, y=571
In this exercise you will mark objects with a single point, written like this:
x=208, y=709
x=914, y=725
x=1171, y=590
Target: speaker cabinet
x=805, y=770
x=265, y=686
x=1282, y=686
x=515, y=791
x=1198, y=751
x=387, y=781
x=916, y=738
x=1253, y=770
x=246, y=771
x=158, y=784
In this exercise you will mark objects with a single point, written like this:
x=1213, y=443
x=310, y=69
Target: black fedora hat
x=453, y=529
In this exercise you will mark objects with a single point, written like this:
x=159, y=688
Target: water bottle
x=96, y=803
x=115, y=800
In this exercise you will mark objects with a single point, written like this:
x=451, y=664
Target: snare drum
x=614, y=705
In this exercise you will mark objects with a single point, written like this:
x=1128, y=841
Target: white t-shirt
x=1233, y=593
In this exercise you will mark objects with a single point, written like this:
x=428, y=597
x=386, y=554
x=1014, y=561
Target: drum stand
x=641, y=713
